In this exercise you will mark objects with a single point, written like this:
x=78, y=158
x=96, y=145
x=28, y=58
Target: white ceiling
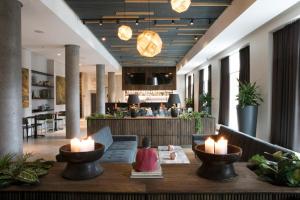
x=60, y=26
x=239, y=20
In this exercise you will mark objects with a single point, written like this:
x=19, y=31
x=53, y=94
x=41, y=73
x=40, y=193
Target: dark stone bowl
x=82, y=165
x=217, y=166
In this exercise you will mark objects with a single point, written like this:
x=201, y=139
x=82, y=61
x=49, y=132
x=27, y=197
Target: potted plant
x=205, y=100
x=189, y=103
x=249, y=99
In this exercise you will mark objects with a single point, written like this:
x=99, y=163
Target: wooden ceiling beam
x=136, y=13
x=170, y=25
x=209, y=4
x=146, y=1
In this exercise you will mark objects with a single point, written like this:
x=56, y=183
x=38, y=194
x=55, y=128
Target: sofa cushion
x=124, y=145
x=104, y=137
x=118, y=156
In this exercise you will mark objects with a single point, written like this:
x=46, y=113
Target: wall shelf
x=40, y=111
x=43, y=86
x=42, y=98
x=41, y=73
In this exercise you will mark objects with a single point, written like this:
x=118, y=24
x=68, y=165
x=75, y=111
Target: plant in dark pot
x=173, y=101
x=205, y=100
x=189, y=103
x=133, y=99
x=249, y=99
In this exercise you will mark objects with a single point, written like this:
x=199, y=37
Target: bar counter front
x=161, y=130
x=180, y=182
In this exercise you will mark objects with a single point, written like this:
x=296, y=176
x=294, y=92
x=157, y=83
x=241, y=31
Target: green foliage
x=189, y=102
x=248, y=95
x=100, y=116
x=195, y=115
x=17, y=170
x=284, y=171
x=205, y=100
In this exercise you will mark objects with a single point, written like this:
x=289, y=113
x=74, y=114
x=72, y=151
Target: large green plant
x=18, y=170
x=285, y=170
x=205, y=100
x=248, y=95
x=195, y=115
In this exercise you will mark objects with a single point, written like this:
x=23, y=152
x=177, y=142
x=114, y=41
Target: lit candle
x=221, y=146
x=209, y=145
x=83, y=145
x=75, y=145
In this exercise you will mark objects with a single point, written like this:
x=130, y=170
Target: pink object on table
x=173, y=155
x=146, y=160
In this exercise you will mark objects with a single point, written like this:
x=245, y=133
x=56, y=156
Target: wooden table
x=180, y=182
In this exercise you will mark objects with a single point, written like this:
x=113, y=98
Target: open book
x=154, y=174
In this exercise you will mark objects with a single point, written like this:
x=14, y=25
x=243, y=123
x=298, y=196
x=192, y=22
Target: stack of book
x=154, y=174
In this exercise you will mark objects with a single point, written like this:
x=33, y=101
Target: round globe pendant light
x=180, y=5
x=125, y=32
x=149, y=43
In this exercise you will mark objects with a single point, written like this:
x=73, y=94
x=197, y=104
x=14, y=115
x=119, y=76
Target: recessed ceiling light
x=39, y=31
x=59, y=54
x=103, y=39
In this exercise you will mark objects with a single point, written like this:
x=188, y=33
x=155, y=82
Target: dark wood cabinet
x=136, y=78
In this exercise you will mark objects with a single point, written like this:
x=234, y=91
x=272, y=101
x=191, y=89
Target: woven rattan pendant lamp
x=180, y=5
x=124, y=31
x=149, y=43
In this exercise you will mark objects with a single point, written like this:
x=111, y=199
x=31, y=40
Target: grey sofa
x=118, y=148
x=249, y=144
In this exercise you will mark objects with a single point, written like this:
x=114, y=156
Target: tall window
x=234, y=70
x=205, y=80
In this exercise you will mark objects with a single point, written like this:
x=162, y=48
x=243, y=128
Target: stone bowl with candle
x=82, y=165
x=218, y=166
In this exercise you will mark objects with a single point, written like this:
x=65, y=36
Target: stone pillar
x=11, y=140
x=100, y=89
x=111, y=87
x=72, y=91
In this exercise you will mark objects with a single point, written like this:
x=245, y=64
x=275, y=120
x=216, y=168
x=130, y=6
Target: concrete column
x=11, y=140
x=111, y=87
x=100, y=89
x=72, y=91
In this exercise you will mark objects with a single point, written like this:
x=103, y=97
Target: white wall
x=34, y=61
x=260, y=42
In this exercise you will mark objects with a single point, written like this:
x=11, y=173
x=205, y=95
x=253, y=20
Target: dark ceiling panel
x=177, y=38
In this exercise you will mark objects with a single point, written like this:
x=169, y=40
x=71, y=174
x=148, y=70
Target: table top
x=177, y=179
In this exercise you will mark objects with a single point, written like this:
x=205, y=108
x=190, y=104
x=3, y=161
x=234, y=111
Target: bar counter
x=180, y=182
x=161, y=130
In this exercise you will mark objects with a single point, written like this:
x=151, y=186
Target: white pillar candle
x=209, y=145
x=75, y=145
x=83, y=145
x=90, y=144
x=221, y=146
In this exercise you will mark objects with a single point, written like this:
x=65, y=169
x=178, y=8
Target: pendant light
x=149, y=43
x=180, y=5
x=124, y=31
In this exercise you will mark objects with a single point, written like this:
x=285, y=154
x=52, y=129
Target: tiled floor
x=47, y=147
